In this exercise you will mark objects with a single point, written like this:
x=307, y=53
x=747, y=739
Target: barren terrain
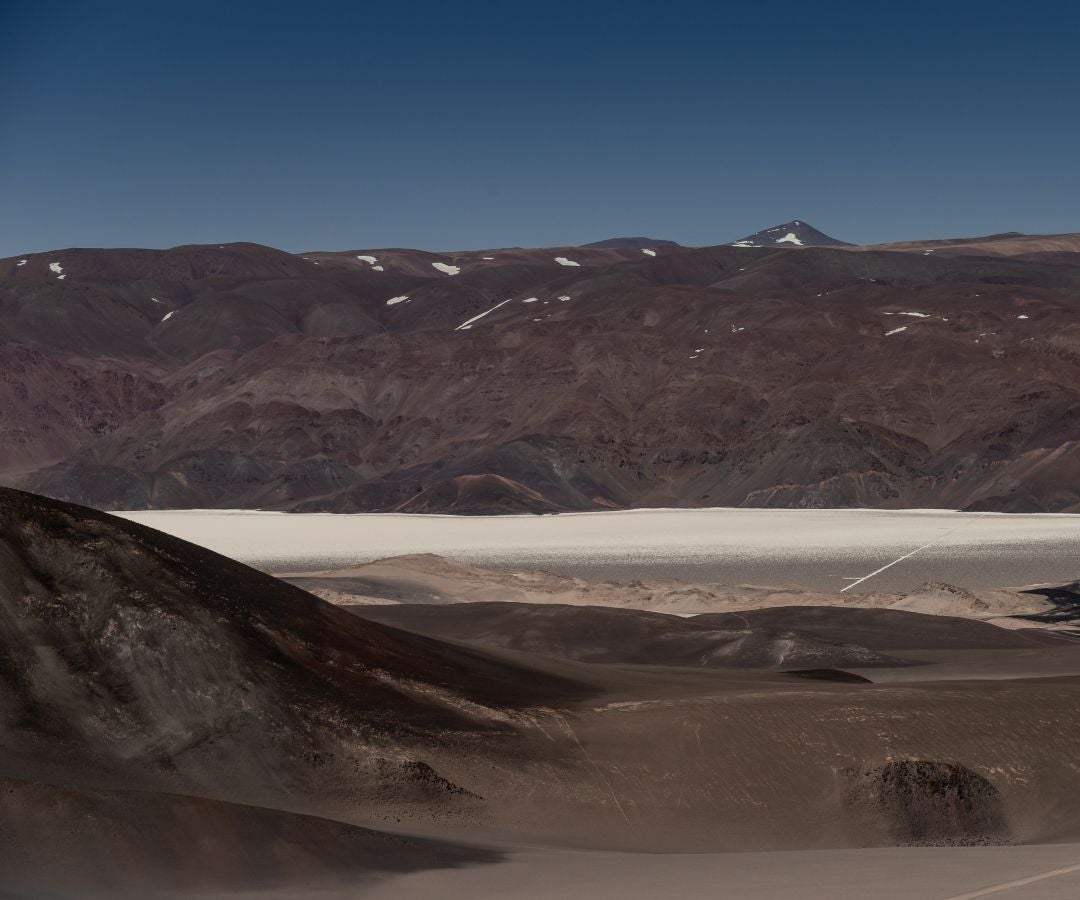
x=530, y=738
x=941, y=374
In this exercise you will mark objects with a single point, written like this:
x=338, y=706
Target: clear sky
x=322, y=125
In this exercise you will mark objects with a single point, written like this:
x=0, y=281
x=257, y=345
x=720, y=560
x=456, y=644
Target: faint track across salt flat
x=926, y=546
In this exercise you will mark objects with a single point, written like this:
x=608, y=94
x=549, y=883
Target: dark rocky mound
x=598, y=634
x=926, y=802
x=1066, y=600
x=882, y=629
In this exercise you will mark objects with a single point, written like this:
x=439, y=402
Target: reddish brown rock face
x=933, y=374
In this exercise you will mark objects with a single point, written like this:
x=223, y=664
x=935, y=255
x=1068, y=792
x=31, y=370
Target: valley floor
x=1039, y=872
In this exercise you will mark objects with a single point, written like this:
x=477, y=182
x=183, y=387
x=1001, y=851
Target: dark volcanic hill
x=790, y=234
x=543, y=380
x=125, y=650
x=148, y=686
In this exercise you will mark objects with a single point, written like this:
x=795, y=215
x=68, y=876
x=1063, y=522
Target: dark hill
x=125, y=650
x=598, y=634
x=148, y=687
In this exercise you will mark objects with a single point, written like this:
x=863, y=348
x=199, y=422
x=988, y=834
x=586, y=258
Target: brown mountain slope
x=718, y=376
x=128, y=651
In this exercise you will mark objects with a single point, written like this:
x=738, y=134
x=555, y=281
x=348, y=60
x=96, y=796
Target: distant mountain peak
x=791, y=234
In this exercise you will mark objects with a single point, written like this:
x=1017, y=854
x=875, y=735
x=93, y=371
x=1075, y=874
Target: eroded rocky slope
x=545, y=379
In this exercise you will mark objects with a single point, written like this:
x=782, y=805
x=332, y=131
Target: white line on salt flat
x=469, y=322
x=936, y=540
x=1020, y=882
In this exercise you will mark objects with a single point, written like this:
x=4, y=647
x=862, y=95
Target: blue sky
x=447, y=125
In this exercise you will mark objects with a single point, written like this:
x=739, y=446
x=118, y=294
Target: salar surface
x=812, y=549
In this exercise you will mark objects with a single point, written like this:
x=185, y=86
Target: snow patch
x=393, y=301
x=21, y=262
x=789, y=238
x=57, y=268
x=896, y=330
x=566, y=297
x=468, y=322
x=1022, y=317
x=447, y=268
x=742, y=244
x=168, y=316
x=368, y=259
x=377, y=269
x=563, y=261
x=155, y=299
x=487, y=257
x=530, y=300
x=915, y=314
x=648, y=252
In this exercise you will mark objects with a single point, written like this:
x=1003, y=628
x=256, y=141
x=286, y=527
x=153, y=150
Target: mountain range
x=798, y=372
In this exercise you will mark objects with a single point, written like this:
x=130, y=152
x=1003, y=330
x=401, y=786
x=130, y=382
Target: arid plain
x=726, y=736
